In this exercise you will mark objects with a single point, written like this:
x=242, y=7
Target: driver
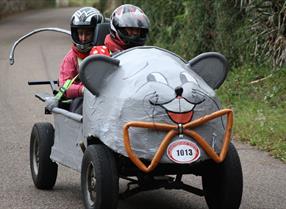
x=83, y=23
x=129, y=27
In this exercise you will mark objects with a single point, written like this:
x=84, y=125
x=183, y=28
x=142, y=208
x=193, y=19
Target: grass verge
x=258, y=98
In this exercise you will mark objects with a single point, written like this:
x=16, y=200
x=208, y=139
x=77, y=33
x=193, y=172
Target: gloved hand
x=51, y=102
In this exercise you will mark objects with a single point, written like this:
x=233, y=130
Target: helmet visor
x=133, y=32
x=133, y=36
x=82, y=35
x=85, y=35
x=132, y=21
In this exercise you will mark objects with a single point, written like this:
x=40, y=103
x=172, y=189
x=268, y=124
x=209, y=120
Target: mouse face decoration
x=145, y=84
x=179, y=102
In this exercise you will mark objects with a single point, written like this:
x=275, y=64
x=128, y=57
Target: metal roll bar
x=11, y=55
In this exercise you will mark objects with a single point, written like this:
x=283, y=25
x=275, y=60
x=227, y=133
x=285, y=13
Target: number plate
x=183, y=151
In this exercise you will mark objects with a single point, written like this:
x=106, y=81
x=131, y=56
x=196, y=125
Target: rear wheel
x=223, y=182
x=43, y=169
x=99, y=178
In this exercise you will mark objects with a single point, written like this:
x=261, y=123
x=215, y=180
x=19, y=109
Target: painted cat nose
x=179, y=91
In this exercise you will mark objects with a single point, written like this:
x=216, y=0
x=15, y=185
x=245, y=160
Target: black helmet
x=129, y=16
x=86, y=17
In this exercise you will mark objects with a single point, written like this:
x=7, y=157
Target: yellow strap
x=67, y=84
x=65, y=87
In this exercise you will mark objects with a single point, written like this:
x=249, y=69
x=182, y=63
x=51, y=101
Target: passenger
x=129, y=27
x=83, y=23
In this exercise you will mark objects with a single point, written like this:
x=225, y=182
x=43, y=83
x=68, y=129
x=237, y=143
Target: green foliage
x=30, y=4
x=191, y=27
x=268, y=24
x=166, y=25
x=258, y=97
x=82, y=2
x=231, y=35
x=245, y=31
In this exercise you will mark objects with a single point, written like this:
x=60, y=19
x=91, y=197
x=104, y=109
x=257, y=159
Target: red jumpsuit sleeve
x=68, y=70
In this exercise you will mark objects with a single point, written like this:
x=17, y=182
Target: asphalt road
x=38, y=58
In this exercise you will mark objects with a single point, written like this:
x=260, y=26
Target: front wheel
x=44, y=170
x=223, y=182
x=99, y=178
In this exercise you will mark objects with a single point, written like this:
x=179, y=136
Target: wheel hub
x=92, y=183
x=36, y=157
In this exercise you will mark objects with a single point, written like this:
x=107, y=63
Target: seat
x=101, y=31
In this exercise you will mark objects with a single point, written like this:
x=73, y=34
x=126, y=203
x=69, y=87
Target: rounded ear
x=94, y=69
x=210, y=66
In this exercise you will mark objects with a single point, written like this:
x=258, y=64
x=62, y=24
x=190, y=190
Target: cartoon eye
x=186, y=77
x=157, y=77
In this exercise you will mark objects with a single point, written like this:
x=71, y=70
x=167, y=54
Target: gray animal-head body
x=146, y=84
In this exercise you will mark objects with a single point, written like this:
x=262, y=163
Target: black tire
x=99, y=178
x=223, y=182
x=44, y=170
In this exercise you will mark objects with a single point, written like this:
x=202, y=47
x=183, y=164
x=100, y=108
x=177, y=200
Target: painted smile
x=181, y=118
x=179, y=110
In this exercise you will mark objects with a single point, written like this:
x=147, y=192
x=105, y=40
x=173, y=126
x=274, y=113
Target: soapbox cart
x=149, y=117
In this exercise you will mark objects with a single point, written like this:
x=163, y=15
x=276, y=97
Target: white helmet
x=129, y=16
x=86, y=17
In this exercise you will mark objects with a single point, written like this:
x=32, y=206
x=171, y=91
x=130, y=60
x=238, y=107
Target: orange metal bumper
x=173, y=131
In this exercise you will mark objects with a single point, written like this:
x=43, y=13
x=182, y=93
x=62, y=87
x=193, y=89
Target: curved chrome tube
x=11, y=55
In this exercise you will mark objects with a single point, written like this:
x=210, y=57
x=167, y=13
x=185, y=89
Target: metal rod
x=41, y=82
x=50, y=82
x=11, y=55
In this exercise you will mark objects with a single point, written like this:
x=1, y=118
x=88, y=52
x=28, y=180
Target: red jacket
x=70, y=66
x=68, y=70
